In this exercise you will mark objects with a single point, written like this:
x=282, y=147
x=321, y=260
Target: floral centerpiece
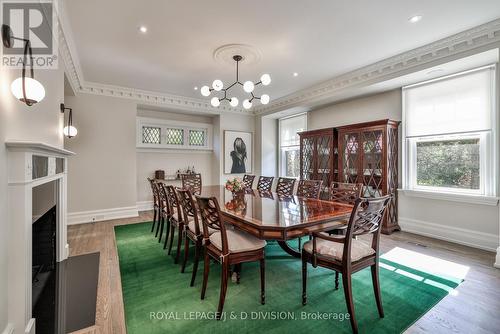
x=235, y=185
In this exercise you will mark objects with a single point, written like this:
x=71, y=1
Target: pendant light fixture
x=25, y=89
x=69, y=130
x=248, y=87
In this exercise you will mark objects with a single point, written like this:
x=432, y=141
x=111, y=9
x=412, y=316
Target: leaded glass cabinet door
x=350, y=157
x=373, y=162
x=324, y=159
x=307, y=157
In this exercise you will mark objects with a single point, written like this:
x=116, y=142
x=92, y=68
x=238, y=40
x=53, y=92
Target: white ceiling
x=318, y=39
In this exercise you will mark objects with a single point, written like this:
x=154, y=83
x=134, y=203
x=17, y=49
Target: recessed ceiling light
x=143, y=29
x=295, y=74
x=415, y=18
x=195, y=87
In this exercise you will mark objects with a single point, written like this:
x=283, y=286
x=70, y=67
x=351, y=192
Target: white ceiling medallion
x=250, y=55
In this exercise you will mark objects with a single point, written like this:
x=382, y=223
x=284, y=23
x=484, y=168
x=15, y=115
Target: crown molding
x=480, y=36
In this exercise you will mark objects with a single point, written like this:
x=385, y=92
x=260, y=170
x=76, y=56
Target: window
x=151, y=135
x=449, y=134
x=159, y=133
x=290, y=144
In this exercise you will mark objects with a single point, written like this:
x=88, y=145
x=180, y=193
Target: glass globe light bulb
x=205, y=91
x=248, y=86
x=234, y=102
x=265, y=79
x=70, y=131
x=215, y=102
x=34, y=90
x=247, y=104
x=264, y=99
x=217, y=85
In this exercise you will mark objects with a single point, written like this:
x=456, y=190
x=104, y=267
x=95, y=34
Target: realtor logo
x=34, y=20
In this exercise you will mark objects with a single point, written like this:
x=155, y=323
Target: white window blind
x=289, y=128
x=453, y=105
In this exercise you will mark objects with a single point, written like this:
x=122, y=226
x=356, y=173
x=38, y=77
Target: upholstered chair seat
x=191, y=226
x=335, y=250
x=238, y=241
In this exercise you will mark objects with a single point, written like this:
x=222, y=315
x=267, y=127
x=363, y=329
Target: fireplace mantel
x=24, y=159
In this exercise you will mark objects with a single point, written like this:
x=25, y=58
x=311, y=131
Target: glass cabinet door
x=308, y=158
x=324, y=159
x=351, y=158
x=373, y=162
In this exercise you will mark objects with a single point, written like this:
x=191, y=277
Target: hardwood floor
x=474, y=307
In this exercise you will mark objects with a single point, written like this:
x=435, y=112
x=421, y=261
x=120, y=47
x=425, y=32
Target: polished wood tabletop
x=269, y=216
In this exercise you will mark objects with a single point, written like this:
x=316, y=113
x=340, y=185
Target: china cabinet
x=364, y=153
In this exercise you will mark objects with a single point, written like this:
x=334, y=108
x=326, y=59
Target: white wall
x=270, y=142
x=102, y=175
x=473, y=224
x=41, y=122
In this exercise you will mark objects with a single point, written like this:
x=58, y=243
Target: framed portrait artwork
x=238, y=152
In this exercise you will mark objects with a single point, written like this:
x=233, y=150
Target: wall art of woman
x=239, y=156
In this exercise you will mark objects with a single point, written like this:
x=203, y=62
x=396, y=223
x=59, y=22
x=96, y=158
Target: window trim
x=165, y=124
x=280, y=147
x=488, y=148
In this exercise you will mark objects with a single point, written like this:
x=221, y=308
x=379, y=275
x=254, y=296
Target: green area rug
x=158, y=298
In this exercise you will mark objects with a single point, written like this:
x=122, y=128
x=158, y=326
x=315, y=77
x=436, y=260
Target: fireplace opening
x=44, y=268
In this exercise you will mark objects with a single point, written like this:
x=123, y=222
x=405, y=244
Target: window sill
x=461, y=198
x=174, y=150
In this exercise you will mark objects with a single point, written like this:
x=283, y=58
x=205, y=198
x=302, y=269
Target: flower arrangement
x=235, y=185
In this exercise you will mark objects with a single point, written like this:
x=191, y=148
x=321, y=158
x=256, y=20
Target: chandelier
x=248, y=87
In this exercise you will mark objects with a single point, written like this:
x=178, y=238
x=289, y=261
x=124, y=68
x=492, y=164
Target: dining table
x=271, y=216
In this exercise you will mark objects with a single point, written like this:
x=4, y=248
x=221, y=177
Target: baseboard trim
x=100, y=215
x=497, y=261
x=145, y=205
x=9, y=329
x=481, y=240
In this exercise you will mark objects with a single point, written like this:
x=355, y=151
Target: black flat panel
x=82, y=277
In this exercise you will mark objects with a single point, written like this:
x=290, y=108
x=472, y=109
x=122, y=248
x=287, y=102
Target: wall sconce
x=25, y=89
x=69, y=130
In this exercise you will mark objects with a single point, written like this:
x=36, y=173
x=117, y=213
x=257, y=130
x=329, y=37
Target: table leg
x=289, y=249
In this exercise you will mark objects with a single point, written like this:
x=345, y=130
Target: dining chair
x=176, y=221
x=228, y=247
x=192, y=230
x=265, y=183
x=248, y=181
x=348, y=255
x=309, y=188
x=164, y=211
x=284, y=187
x=191, y=182
x=346, y=193
x=156, y=202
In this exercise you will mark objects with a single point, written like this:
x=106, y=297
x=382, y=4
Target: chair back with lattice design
x=192, y=182
x=346, y=193
x=248, y=181
x=154, y=190
x=173, y=203
x=188, y=207
x=366, y=218
x=211, y=218
x=265, y=183
x=163, y=197
x=284, y=187
x=309, y=188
